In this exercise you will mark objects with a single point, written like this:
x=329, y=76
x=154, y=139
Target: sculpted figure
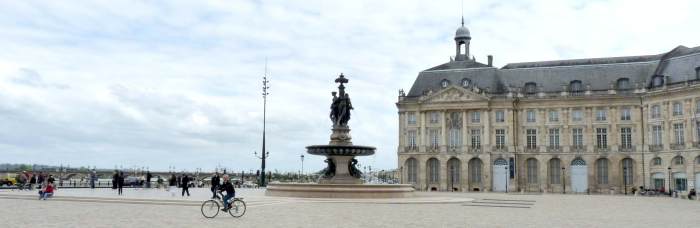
x=353, y=169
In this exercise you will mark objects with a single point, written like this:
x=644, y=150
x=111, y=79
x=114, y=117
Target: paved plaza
x=159, y=208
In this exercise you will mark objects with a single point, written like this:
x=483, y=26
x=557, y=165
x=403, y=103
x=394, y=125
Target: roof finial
x=462, y=13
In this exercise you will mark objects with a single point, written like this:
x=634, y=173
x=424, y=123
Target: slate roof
x=678, y=65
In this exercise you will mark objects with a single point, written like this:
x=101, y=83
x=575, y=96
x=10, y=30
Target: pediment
x=454, y=94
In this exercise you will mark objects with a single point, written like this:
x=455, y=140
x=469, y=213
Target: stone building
x=580, y=125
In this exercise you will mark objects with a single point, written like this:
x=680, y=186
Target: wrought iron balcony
x=532, y=149
x=623, y=148
x=475, y=149
x=432, y=149
x=501, y=148
x=408, y=149
x=578, y=148
x=554, y=149
x=454, y=149
x=654, y=148
x=602, y=149
x=679, y=146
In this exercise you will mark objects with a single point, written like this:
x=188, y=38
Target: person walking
x=185, y=185
x=115, y=177
x=214, y=185
x=172, y=183
x=120, y=182
x=148, y=179
x=93, y=178
x=32, y=181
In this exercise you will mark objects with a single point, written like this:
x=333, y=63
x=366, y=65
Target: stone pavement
x=158, y=208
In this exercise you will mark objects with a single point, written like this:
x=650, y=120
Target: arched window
x=656, y=161
x=466, y=82
x=555, y=171
x=628, y=171
x=602, y=171
x=576, y=87
x=532, y=171
x=444, y=83
x=412, y=170
x=453, y=168
x=623, y=84
x=475, y=171
x=678, y=160
x=433, y=171
x=657, y=81
x=530, y=88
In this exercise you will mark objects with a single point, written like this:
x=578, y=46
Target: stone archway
x=579, y=176
x=500, y=175
x=453, y=174
x=475, y=174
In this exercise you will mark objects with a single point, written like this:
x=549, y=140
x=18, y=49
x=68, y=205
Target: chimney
x=490, y=60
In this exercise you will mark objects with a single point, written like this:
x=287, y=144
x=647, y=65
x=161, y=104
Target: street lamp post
x=263, y=156
x=264, y=153
x=563, y=177
x=302, y=166
x=669, y=182
x=624, y=178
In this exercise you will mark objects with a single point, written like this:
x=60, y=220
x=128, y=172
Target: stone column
x=423, y=135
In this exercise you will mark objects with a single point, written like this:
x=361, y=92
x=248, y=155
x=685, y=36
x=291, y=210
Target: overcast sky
x=178, y=83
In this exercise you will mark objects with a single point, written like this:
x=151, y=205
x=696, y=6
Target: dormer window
x=657, y=81
x=575, y=87
x=444, y=83
x=623, y=84
x=530, y=88
x=466, y=82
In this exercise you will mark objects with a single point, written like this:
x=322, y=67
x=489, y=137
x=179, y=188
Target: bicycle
x=211, y=208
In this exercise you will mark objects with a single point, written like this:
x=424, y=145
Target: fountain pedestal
x=342, y=173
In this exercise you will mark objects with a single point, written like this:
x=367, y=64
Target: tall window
x=656, y=135
x=554, y=137
x=531, y=116
x=576, y=88
x=627, y=171
x=455, y=137
x=412, y=170
x=602, y=171
x=678, y=132
x=500, y=138
x=411, y=138
x=531, y=135
x=411, y=118
x=555, y=171
x=434, y=117
x=453, y=167
x=626, y=137
x=476, y=138
x=476, y=117
x=601, y=138
x=500, y=116
x=433, y=171
x=475, y=171
x=626, y=114
x=697, y=131
x=655, y=112
x=677, y=108
x=697, y=106
x=553, y=116
x=601, y=115
x=532, y=171
x=434, y=138
x=577, y=137
x=577, y=115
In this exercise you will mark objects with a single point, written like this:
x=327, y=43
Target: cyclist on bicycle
x=230, y=191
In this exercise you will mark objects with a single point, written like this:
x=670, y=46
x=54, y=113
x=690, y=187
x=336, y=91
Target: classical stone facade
x=583, y=125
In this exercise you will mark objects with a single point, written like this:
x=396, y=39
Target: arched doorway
x=579, y=176
x=500, y=175
x=412, y=171
x=532, y=174
x=433, y=174
x=475, y=167
x=658, y=180
x=627, y=174
x=453, y=169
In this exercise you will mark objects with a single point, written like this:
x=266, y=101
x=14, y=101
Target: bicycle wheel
x=237, y=208
x=210, y=208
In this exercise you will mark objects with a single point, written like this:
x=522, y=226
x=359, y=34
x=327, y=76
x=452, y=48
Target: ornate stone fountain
x=341, y=177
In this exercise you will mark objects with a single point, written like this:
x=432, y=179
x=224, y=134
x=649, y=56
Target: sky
x=164, y=84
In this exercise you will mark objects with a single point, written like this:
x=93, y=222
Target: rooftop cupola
x=462, y=39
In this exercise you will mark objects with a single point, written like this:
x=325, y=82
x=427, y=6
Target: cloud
x=176, y=83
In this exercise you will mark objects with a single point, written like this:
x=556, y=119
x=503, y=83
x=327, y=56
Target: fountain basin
x=340, y=190
x=340, y=150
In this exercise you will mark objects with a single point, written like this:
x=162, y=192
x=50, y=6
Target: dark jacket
x=215, y=181
x=185, y=181
x=228, y=187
